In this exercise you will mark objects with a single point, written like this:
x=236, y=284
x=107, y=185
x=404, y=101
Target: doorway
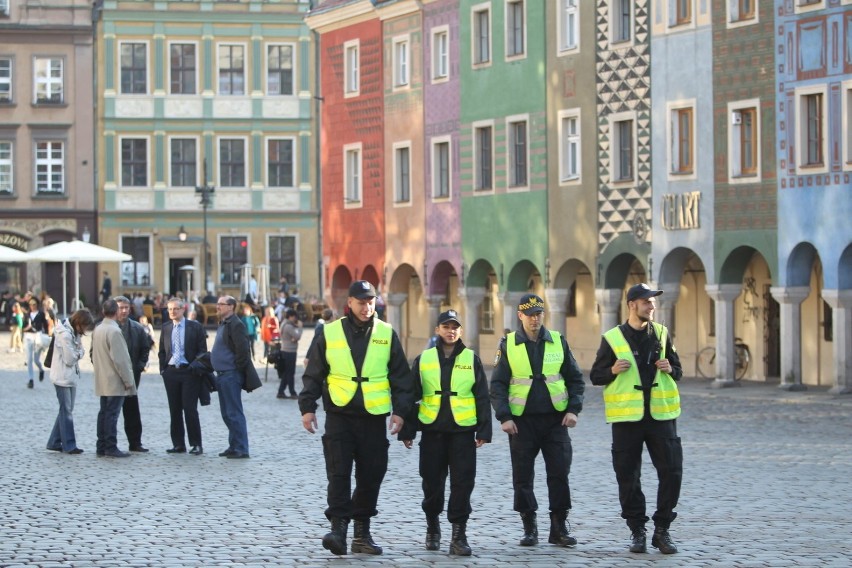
x=177, y=277
x=772, y=334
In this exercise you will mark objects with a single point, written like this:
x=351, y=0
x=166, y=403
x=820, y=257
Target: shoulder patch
x=497, y=357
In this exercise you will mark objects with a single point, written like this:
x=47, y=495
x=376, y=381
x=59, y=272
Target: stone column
x=791, y=298
x=393, y=303
x=841, y=303
x=471, y=300
x=510, y=309
x=665, y=306
x=556, y=300
x=726, y=360
x=434, y=305
x=609, y=300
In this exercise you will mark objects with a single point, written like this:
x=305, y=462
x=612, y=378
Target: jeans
x=34, y=351
x=229, y=385
x=62, y=436
x=108, y=424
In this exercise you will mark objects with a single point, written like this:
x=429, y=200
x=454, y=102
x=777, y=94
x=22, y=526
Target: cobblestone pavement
x=766, y=483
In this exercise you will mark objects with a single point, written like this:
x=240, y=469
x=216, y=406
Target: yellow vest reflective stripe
x=522, y=375
x=462, y=379
x=623, y=402
x=343, y=381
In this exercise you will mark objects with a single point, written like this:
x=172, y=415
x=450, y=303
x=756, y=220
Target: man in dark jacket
x=537, y=393
x=455, y=416
x=139, y=345
x=359, y=369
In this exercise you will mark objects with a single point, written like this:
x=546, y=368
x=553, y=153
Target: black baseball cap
x=530, y=304
x=449, y=315
x=641, y=291
x=362, y=290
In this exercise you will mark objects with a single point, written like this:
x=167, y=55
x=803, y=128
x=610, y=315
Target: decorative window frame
x=564, y=179
x=353, y=200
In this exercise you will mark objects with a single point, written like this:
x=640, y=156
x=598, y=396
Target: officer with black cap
x=537, y=393
x=637, y=365
x=358, y=367
x=455, y=416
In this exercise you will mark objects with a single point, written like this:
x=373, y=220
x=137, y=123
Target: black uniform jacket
x=194, y=342
x=538, y=399
x=445, y=422
x=358, y=336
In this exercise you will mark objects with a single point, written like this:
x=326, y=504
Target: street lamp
x=182, y=234
x=205, y=192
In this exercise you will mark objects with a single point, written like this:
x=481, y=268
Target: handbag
x=48, y=358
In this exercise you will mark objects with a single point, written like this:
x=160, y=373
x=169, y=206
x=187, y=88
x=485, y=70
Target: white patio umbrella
x=75, y=251
x=12, y=255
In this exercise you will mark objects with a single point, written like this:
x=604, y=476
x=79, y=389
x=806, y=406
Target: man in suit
x=139, y=345
x=181, y=341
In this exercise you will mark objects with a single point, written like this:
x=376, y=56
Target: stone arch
x=800, y=263
x=340, y=281
x=524, y=277
x=844, y=269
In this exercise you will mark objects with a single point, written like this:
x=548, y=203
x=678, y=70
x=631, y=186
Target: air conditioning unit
x=736, y=118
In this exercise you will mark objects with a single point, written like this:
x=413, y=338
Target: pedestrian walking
x=291, y=333
x=359, y=369
x=537, y=394
x=638, y=367
x=68, y=350
x=16, y=326
x=270, y=331
x=252, y=324
x=139, y=346
x=36, y=339
x=455, y=417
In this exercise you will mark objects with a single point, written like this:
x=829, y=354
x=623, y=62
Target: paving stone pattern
x=766, y=484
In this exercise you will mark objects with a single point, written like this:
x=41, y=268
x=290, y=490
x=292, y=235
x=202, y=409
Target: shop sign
x=680, y=211
x=14, y=241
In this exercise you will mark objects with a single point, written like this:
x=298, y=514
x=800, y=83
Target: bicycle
x=705, y=361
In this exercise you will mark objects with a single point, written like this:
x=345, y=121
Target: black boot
x=458, y=545
x=362, y=541
x=530, y=537
x=637, y=539
x=433, y=533
x=558, y=531
x=663, y=541
x=335, y=541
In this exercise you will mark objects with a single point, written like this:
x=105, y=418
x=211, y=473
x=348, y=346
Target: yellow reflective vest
x=462, y=400
x=343, y=381
x=522, y=375
x=623, y=402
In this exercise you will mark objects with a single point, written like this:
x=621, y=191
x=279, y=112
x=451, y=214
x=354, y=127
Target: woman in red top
x=270, y=331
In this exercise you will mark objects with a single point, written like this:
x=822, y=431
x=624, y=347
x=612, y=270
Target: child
x=252, y=324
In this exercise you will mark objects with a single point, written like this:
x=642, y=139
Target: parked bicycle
x=705, y=362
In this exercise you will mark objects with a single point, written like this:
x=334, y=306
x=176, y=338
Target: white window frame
x=508, y=34
x=801, y=7
x=233, y=234
x=148, y=161
x=51, y=164
x=434, y=142
x=510, y=153
x=735, y=175
x=800, y=141
x=567, y=141
x=7, y=165
x=397, y=197
x=353, y=176
x=4, y=7
x=846, y=124
x=147, y=45
x=48, y=82
x=150, y=262
x=284, y=234
x=9, y=81
x=246, y=68
x=440, y=54
x=198, y=163
x=246, y=163
x=293, y=173
x=568, y=26
x=352, y=68
x=615, y=149
x=673, y=158
x=401, y=62
x=476, y=127
x=475, y=10
x=293, y=69
x=733, y=19
x=197, y=77
x=616, y=30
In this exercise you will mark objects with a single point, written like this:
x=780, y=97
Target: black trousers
x=360, y=441
x=667, y=456
x=132, y=419
x=441, y=452
x=182, y=391
x=286, y=368
x=541, y=433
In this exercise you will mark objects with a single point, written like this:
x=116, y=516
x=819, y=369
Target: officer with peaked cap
x=537, y=393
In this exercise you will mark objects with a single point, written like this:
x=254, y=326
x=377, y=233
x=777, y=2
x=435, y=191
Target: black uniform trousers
x=286, y=367
x=183, y=389
x=660, y=436
x=132, y=419
x=440, y=452
x=358, y=440
x=541, y=433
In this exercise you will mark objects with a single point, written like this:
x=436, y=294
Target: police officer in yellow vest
x=455, y=417
x=537, y=393
x=358, y=367
x=637, y=365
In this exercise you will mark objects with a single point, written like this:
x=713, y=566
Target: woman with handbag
x=64, y=374
x=35, y=330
